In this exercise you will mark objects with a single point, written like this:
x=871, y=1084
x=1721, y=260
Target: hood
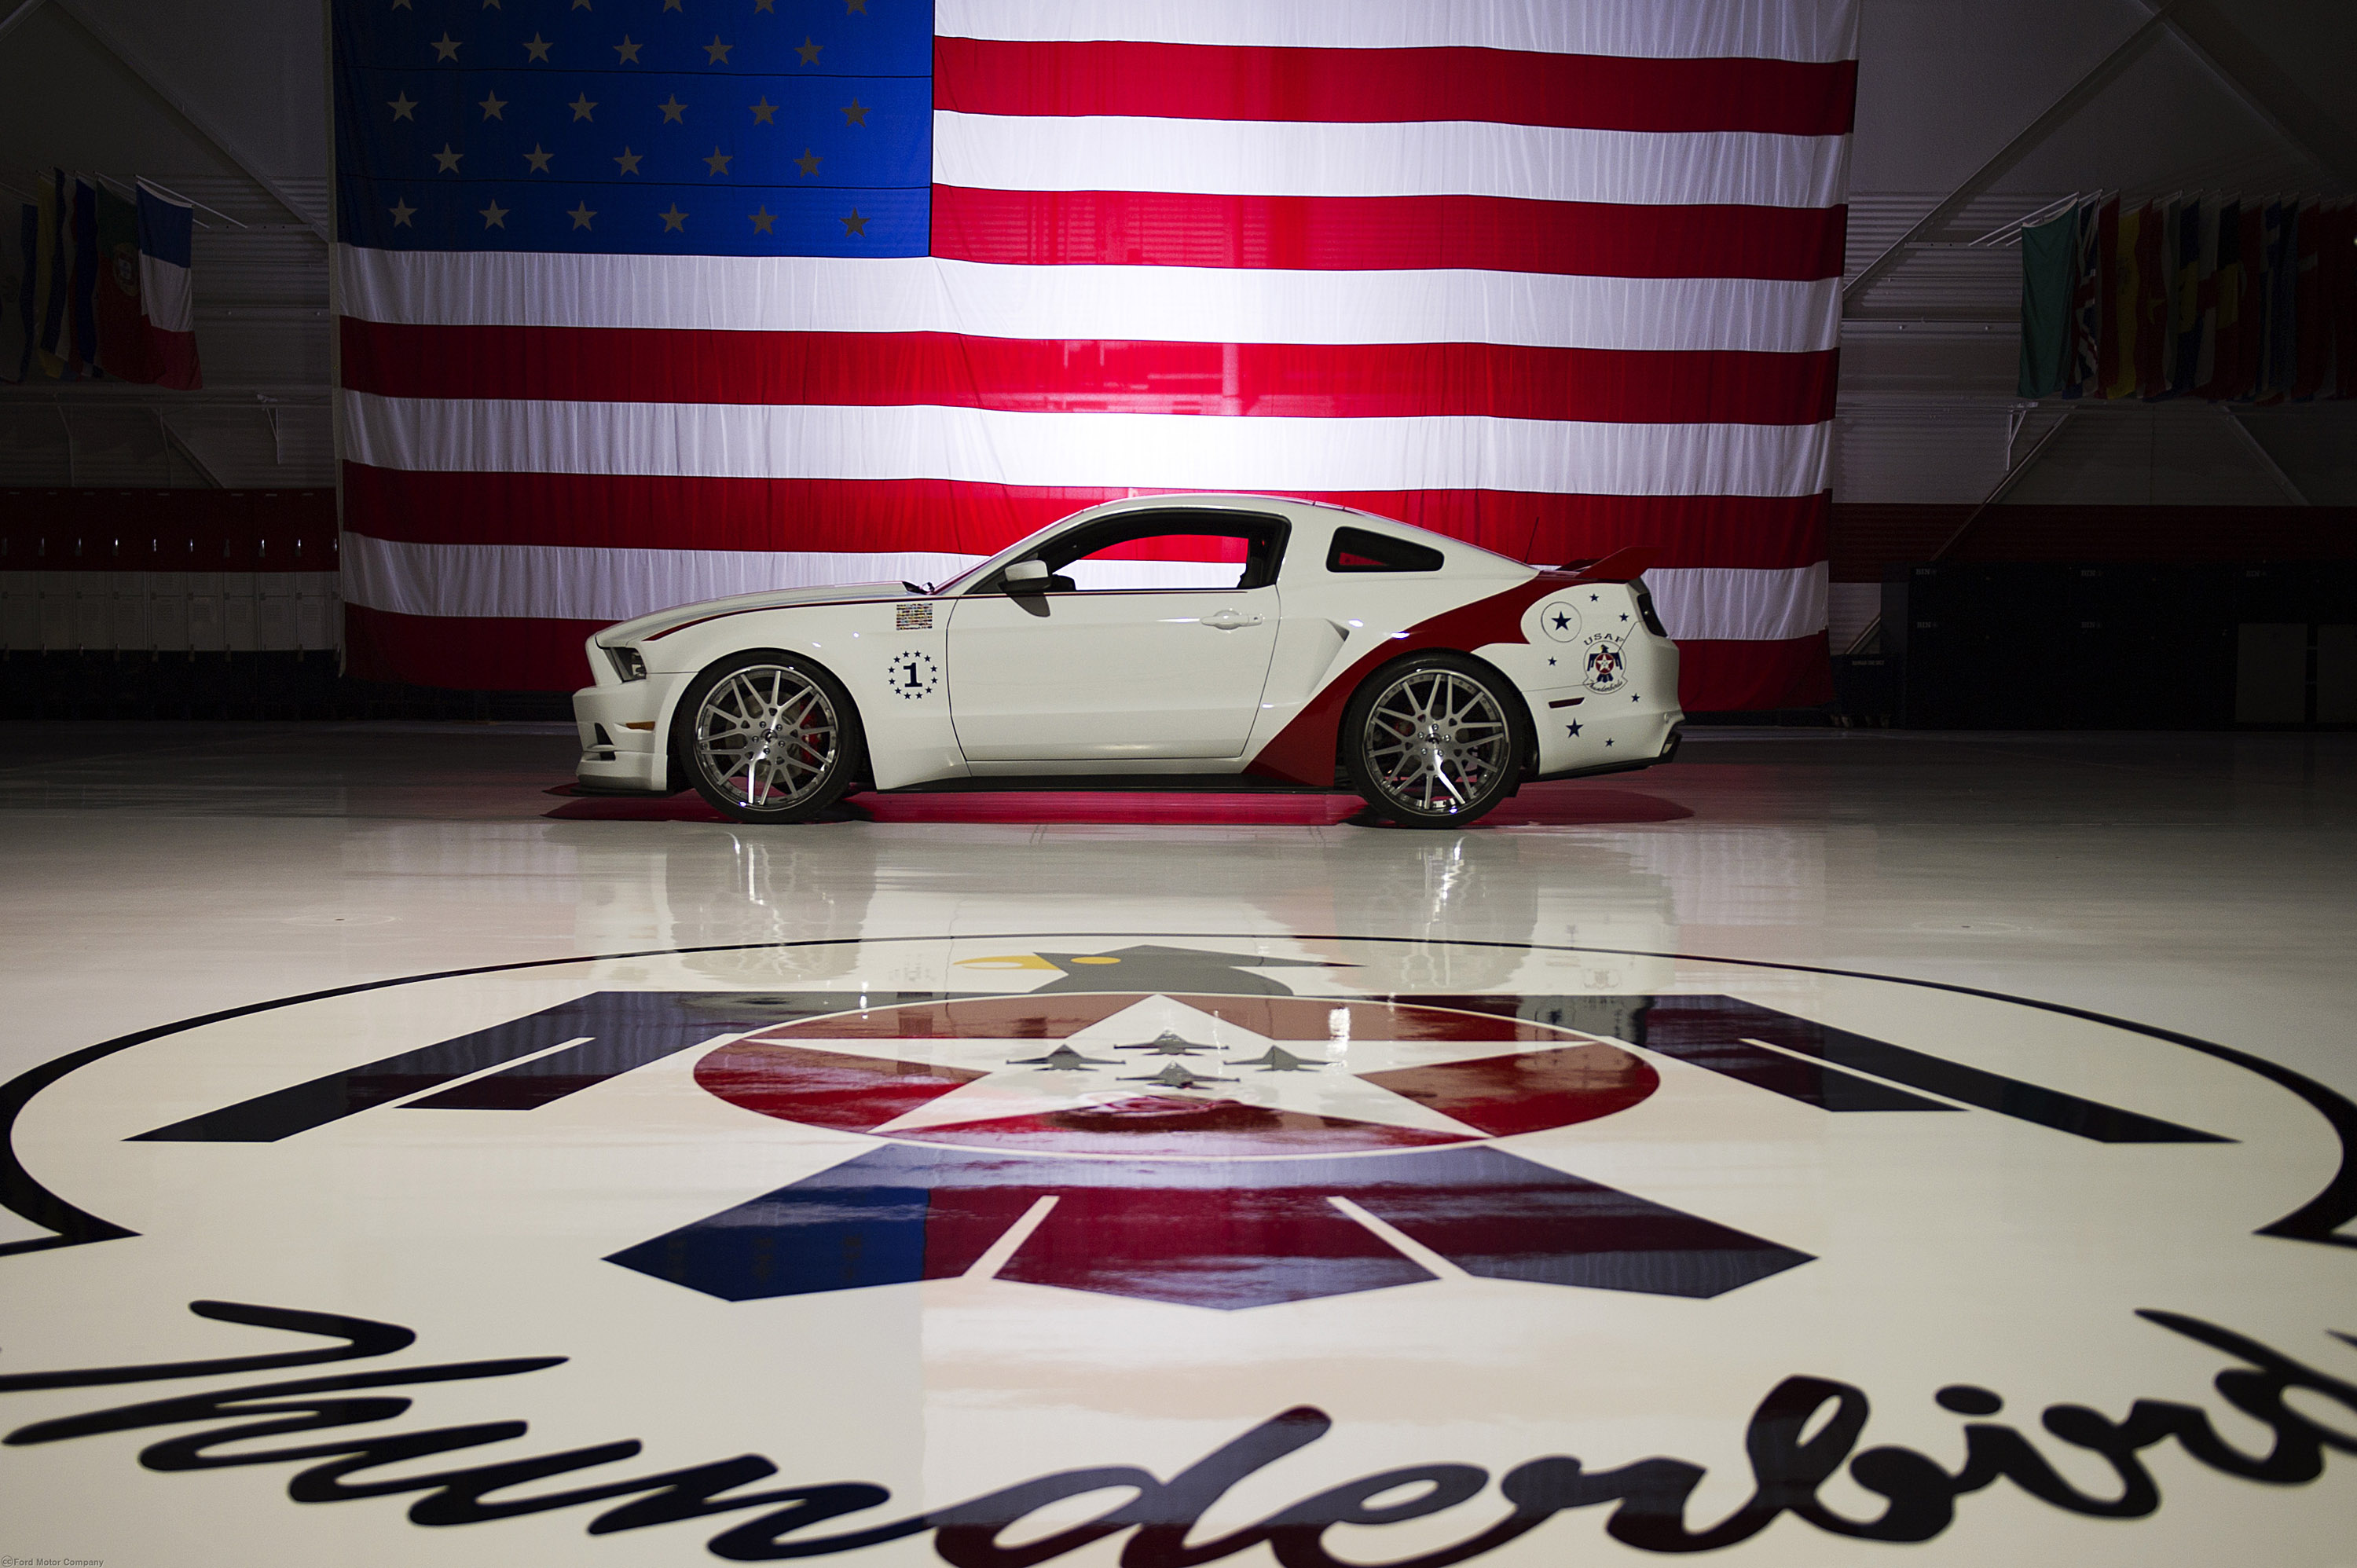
x=648, y=625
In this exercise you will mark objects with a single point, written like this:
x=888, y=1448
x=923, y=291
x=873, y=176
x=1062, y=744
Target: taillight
x=1645, y=609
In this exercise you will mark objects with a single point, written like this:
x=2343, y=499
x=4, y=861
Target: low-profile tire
x=768, y=736
x=1435, y=741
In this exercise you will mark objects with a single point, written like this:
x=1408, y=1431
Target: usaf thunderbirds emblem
x=990, y=1250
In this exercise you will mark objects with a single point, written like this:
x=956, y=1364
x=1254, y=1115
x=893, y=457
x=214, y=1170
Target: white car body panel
x=1137, y=679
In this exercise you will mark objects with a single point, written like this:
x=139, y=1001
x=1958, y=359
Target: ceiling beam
x=24, y=8
x=2243, y=70
x=203, y=122
x=2033, y=136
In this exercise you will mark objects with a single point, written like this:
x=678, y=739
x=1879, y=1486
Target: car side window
x=1362, y=550
x=1170, y=551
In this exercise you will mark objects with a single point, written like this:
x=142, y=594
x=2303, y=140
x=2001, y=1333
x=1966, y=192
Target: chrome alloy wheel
x=1435, y=741
x=766, y=737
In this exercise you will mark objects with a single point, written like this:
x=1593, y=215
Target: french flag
x=167, y=301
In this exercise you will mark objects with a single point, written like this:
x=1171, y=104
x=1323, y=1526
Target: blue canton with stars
x=649, y=127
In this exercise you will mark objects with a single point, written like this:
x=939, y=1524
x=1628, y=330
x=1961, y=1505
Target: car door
x=1150, y=640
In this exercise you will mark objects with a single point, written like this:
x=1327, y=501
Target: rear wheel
x=768, y=738
x=1434, y=741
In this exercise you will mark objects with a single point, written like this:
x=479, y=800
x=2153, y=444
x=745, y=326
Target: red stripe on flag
x=1200, y=81
x=1718, y=677
x=467, y=654
x=545, y=656
x=901, y=369
x=1364, y=233
x=651, y=512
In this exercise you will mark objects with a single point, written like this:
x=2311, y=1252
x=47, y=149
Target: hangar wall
x=226, y=103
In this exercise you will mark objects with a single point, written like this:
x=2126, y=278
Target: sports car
x=1174, y=641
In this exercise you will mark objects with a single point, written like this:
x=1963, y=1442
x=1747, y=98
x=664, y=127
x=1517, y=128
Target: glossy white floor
x=1831, y=1141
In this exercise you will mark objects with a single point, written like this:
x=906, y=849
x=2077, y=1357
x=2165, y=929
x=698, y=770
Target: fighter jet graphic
x=1277, y=1059
x=1150, y=967
x=1167, y=1044
x=1063, y=1059
x=1178, y=1074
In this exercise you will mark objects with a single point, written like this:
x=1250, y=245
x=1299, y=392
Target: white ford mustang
x=1164, y=641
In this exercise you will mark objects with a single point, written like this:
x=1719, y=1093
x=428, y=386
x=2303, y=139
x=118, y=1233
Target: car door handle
x=1228, y=620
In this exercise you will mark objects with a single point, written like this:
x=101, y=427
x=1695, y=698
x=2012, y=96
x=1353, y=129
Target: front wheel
x=768, y=738
x=1434, y=741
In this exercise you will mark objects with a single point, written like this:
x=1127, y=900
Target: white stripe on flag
x=166, y=294
x=570, y=583
x=1658, y=29
x=1741, y=603
x=1445, y=157
x=1114, y=450
x=1156, y=305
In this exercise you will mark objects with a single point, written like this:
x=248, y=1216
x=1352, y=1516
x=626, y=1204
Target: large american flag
x=648, y=301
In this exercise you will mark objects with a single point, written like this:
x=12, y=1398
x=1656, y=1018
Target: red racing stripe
x=1364, y=233
x=1203, y=82
x=1318, y=380
x=648, y=512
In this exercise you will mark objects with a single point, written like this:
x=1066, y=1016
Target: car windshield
x=953, y=584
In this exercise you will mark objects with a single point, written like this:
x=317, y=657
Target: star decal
x=492, y=106
x=629, y=161
x=808, y=162
x=855, y=224
x=581, y=107
x=627, y=50
x=581, y=216
x=762, y=219
x=1561, y=621
x=402, y=106
x=1608, y=743
x=1592, y=598
x=495, y=216
x=808, y=50
x=401, y=211
x=854, y=112
x=673, y=109
x=715, y=52
x=1624, y=617
x=673, y=219
x=765, y=112
x=718, y=162
x=1572, y=730
x=448, y=159
x=1550, y=663
x=536, y=48
x=446, y=48
x=1634, y=698
x=538, y=159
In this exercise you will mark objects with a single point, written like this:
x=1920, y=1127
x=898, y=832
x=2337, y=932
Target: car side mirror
x=1027, y=577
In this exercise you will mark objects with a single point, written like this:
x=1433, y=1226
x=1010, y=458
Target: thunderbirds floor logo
x=1161, y=1127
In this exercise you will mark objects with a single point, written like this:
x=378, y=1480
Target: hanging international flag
x=2049, y=253
x=168, y=295
x=645, y=304
x=2126, y=378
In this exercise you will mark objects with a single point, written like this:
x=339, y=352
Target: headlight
x=627, y=663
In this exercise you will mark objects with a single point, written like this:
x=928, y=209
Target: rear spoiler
x=1623, y=566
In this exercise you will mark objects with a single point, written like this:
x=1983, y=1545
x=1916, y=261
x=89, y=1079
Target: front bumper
x=622, y=749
